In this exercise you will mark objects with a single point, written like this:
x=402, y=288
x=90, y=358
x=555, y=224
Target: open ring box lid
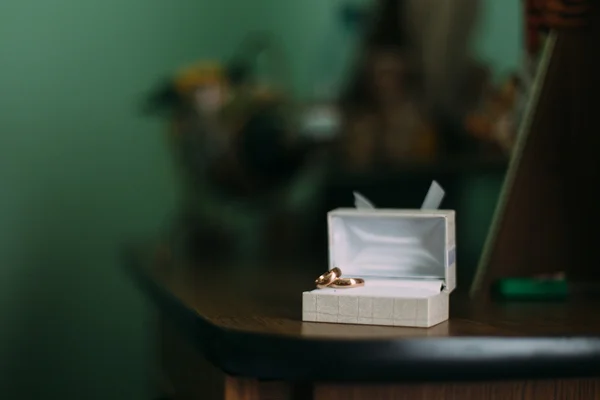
x=406, y=257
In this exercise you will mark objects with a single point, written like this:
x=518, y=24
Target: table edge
x=428, y=359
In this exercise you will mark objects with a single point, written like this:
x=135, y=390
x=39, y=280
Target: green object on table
x=530, y=289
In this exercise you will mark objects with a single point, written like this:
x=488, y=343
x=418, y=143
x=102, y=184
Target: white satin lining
x=397, y=288
x=364, y=244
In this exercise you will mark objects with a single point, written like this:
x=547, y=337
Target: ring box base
x=369, y=310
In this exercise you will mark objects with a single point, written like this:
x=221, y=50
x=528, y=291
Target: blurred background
x=228, y=129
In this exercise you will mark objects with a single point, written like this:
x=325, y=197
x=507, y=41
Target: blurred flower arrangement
x=496, y=118
x=245, y=169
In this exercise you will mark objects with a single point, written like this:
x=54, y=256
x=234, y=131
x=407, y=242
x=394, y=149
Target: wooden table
x=238, y=334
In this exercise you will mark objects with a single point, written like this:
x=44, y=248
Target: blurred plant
x=497, y=118
x=234, y=138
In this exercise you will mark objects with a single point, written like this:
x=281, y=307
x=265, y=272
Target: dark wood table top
x=247, y=322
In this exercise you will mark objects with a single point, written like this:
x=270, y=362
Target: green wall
x=81, y=172
x=499, y=37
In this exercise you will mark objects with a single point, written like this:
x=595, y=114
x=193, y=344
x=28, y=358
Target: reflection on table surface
x=268, y=299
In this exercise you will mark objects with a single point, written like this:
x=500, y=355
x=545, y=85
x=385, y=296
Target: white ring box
x=406, y=257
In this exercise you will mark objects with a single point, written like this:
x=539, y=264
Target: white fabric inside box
x=397, y=253
x=396, y=288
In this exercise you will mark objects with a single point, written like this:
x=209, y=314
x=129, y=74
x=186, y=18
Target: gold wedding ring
x=328, y=278
x=347, y=283
x=332, y=278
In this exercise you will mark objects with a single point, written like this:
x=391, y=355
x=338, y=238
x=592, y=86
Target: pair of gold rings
x=332, y=279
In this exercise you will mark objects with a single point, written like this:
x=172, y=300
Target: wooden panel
x=577, y=389
x=583, y=159
x=546, y=220
x=528, y=233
